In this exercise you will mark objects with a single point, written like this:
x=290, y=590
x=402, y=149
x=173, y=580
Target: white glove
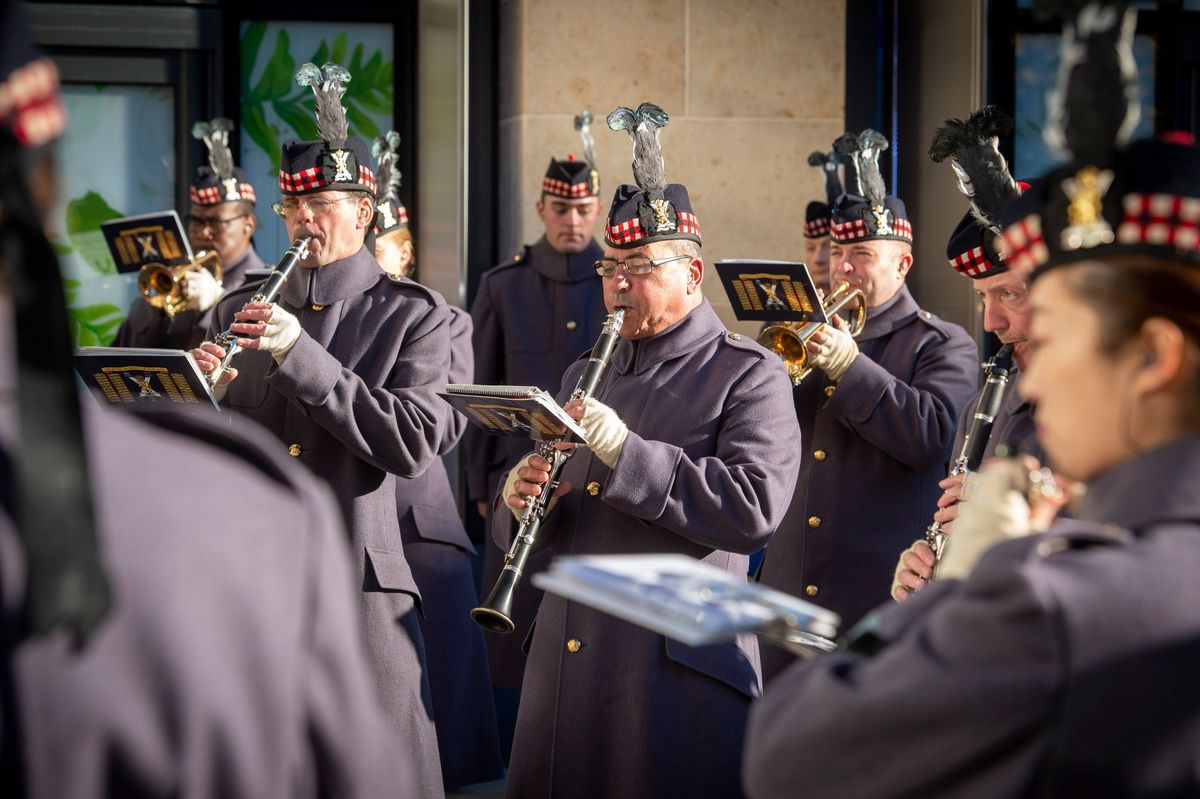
x=281, y=334
x=201, y=290
x=836, y=355
x=997, y=511
x=605, y=431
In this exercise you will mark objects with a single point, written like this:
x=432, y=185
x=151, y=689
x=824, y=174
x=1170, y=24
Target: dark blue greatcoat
x=146, y=326
x=875, y=448
x=532, y=317
x=231, y=663
x=707, y=471
x=355, y=400
x=439, y=553
x=1065, y=665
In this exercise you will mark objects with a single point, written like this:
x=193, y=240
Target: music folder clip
x=524, y=411
x=771, y=291
x=126, y=376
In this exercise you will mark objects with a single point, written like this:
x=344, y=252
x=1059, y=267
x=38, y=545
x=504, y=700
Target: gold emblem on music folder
x=1087, y=226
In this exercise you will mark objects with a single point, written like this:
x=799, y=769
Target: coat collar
x=1155, y=487
x=893, y=314
x=688, y=334
x=334, y=281
x=553, y=265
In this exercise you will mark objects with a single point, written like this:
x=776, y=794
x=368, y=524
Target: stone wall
x=752, y=88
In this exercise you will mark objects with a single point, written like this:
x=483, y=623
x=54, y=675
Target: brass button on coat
x=819, y=455
x=829, y=390
x=574, y=645
x=593, y=488
x=318, y=307
x=814, y=521
x=572, y=325
x=736, y=336
x=811, y=590
x=294, y=450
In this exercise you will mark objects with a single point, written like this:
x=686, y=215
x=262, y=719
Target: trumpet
x=267, y=292
x=162, y=286
x=788, y=339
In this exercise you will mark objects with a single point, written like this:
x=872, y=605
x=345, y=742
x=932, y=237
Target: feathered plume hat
x=973, y=148
x=871, y=213
x=652, y=210
x=390, y=213
x=571, y=179
x=220, y=181
x=337, y=160
x=816, y=215
x=1111, y=196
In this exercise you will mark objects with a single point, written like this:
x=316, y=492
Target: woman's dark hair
x=1126, y=290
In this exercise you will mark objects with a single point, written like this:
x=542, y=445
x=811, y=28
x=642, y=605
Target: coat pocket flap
x=388, y=571
x=724, y=662
x=435, y=524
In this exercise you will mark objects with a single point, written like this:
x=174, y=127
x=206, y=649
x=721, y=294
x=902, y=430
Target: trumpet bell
x=789, y=340
x=162, y=286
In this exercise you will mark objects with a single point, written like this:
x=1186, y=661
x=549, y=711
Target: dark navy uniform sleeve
x=734, y=499
x=956, y=705
x=397, y=427
x=912, y=421
x=462, y=369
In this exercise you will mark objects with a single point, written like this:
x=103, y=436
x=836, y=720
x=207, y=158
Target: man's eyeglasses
x=290, y=206
x=214, y=223
x=634, y=265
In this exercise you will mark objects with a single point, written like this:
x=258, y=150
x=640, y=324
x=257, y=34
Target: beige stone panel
x=766, y=58
x=604, y=61
x=749, y=182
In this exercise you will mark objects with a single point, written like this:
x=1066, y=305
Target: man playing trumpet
x=876, y=422
x=221, y=219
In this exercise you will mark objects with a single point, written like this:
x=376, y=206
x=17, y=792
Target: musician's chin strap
x=65, y=582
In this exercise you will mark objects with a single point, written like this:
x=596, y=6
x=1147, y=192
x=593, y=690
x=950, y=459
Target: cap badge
x=883, y=220
x=389, y=216
x=231, y=189
x=1085, y=212
x=663, y=223
x=342, y=175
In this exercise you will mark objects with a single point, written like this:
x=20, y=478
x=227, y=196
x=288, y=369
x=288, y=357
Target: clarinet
x=997, y=371
x=267, y=292
x=495, y=613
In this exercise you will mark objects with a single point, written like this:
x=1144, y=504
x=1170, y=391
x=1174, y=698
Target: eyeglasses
x=214, y=223
x=290, y=206
x=634, y=265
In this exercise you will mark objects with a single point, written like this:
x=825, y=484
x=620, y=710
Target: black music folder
x=525, y=411
x=124, y=376
x=155, y=238
x=771, y=291
x=686, y=599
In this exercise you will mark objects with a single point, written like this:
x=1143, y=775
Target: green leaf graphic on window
x=91, y=325
x=84, y=216
x=368, y=99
